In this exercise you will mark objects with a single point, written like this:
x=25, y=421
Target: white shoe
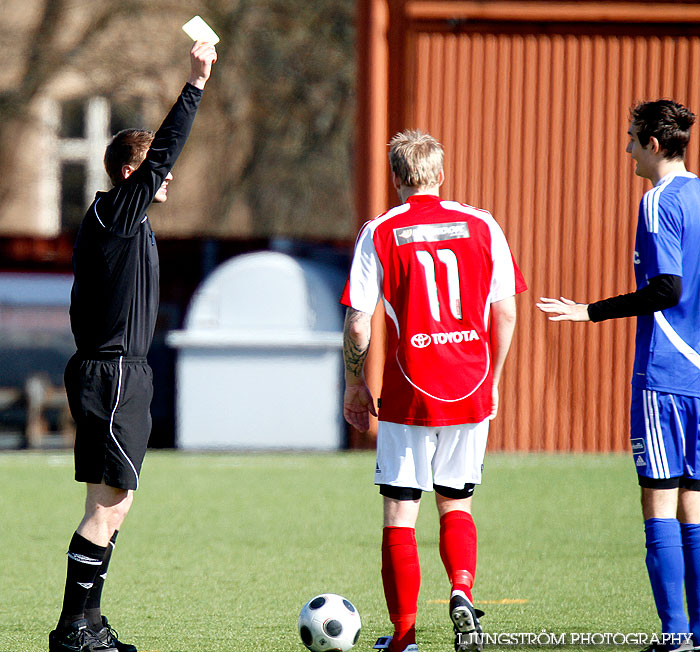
x=384, y=641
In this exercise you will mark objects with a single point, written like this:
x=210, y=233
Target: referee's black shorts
x=110, y=400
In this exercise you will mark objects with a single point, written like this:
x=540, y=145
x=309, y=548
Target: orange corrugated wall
x=533, y=119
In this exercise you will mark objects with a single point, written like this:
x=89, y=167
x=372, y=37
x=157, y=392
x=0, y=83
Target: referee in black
x=113, y=309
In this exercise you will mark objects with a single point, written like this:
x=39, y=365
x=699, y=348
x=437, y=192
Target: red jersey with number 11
x=438, y=265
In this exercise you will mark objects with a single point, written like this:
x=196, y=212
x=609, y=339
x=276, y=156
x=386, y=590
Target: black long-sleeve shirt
x=663, y=291
x=114, y=300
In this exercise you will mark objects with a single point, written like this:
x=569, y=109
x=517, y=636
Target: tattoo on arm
x=355, y=348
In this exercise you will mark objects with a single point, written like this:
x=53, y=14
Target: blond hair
x=415, y=158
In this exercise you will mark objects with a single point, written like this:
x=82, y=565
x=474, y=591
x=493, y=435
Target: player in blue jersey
x=665, y=412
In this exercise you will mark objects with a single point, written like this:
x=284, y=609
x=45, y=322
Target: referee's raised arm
x=144, y=180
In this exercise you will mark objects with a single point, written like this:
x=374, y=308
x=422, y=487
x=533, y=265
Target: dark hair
x=128, y=147
x=667, y=121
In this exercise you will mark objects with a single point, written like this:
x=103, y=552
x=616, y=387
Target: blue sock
x=691, y=553
x=666, y=572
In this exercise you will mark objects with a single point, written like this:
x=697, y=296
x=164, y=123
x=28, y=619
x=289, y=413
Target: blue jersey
x=667, y=352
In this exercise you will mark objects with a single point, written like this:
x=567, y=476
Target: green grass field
x=220, y=551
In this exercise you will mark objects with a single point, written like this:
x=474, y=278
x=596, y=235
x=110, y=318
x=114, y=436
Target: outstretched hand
x=202, y=57
x=564, y=309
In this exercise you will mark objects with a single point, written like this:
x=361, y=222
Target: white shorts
x=423, y=456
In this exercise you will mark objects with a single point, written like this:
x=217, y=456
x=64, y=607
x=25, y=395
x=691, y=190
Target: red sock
x=401, y=578
x=458, y=549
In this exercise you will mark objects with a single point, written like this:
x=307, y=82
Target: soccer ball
x=329, y=623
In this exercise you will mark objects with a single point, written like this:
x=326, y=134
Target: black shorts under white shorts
x=110, y=400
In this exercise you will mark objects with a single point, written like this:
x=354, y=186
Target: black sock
x=84, y=561
x=92, y=605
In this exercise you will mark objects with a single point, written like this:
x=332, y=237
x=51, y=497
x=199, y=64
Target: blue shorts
x=665, y=434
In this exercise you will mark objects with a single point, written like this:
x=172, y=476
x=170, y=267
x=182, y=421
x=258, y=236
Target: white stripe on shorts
x=655, y=440
x=650, y=444
x=111, y=422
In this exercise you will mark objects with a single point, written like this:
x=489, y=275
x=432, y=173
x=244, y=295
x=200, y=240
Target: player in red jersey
x=448, y=282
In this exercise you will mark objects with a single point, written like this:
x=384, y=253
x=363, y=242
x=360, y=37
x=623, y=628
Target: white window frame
x=88, y=150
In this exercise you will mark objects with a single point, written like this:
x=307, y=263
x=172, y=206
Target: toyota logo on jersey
x=420, y=340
